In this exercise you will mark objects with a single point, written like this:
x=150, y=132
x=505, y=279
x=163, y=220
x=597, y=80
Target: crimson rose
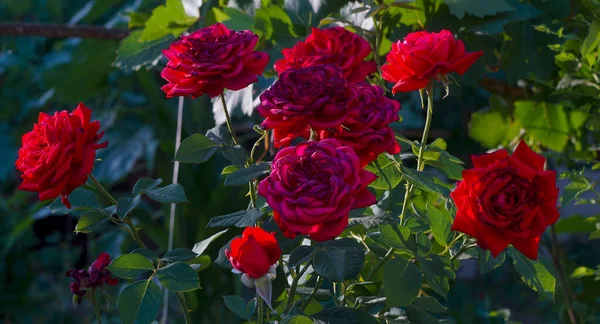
x=316, y=96
x=254, y=252
x=367, y=129
x=95, y=276
x=336, y=46
x=59, y=153
x=422, y=56
x=313, y=186
x=210, y=60
x=506, y=200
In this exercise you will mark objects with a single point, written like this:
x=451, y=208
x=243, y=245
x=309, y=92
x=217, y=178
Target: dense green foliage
x=538, y=81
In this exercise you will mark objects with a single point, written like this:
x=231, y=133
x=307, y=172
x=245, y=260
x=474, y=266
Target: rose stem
x=420, y=160
x=96, y=308
x=261, y=309
x=228, y=121
x=126, y=220
x=564, y=283
x=313, y=293
x=186, y=313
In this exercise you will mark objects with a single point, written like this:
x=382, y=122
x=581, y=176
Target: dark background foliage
x=537, y=80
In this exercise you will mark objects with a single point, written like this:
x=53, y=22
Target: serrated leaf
x=477, y=8
x=402, y=281
x=417, y=315
x=373, y=221
x=398, y=237
x=91, y=221
x=147, y=253
x=300, y=255
x=590, y=43
x=243, y=176
x=179, y=254
x=201, y=246
x=437, y=273
x=168, y=19
x=238, y=306
x=145, y=184
x=429, y=304
x=241, y=219
x=388, y=175
x=487, y=262
x=538, y=274
x=545, y=122
x=339, y=260
x=178, y=276
x=126, y=205
x=196, y=149
x=421, y=181
x=129, y=266
x=440, y=224
x=134, y=54
x=236, y=154
x=576, y=224
x=171, y=194
x=140, y=302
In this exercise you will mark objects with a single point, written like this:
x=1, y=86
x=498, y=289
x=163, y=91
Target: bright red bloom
x=367, y=130
x=59, y=153
x=506, y=200
x=313, y=186
x=94, y=277
x=316, y=96
x=336, y=46
x=422, y=56
x=210, y=60
x=254, y=252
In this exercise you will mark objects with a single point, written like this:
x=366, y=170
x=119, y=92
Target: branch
x=61, y=31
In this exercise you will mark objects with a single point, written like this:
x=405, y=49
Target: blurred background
x=537, y=81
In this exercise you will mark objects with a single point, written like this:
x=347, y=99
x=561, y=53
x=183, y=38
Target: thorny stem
x=374, y=270
x=564, y=283
x=102, y=190
x=96, y=307
x=456, y=239
x=295, y=285
x=228, y=121
x=461, y=250
x=186, y=313
x=420, y=160
x=313, y=293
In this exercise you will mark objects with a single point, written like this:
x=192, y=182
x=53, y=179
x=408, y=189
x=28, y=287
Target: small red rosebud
x=254, y=252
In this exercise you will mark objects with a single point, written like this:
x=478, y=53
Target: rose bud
x=96, y=275
x=336, y=46
x=254, y=253
x=313, y=186
x=210, y=60
x=59, y=153
x=423, y=56
x=506, y=200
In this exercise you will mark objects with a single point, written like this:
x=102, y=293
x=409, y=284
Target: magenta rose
x=366, y=129
x=317, y=97
x=313, y=186
x=210, y=60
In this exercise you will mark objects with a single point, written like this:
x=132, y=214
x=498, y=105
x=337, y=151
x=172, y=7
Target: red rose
x=316, y=96
x=254, y=252
x=313, y=186
x=59, y=153
x=336, y=46
x=367, y=130
x=210, y=60
x=94, y=277
x=506, y=200
x=423, y=56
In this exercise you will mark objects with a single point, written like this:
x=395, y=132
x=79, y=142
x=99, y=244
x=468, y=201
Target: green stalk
x=228, y=121
x=186, y=314
x=96, y=307
x=261, y=309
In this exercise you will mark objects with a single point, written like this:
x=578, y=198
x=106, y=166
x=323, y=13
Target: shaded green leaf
x=134, y=54
x=126, y=205
x=538, y=274
x=236, y=155
x=477, y=8
x=339, y=260
x=179, y=254
x=178, y=276
x=196, y=149
x=241, y=219
x=402, y=281
x=342, y=315
x=140, y=302
x=300, y=255
x=201, y=246
x=238, y=306
x=243, y=176
x=429, y=304
x=172, y=193
x=145, y=184
x=388, y=175
x=91, y=221
x=487, y=262
x=440, y=224
x=129, y=266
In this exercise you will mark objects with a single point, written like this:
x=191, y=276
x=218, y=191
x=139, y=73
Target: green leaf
x=402, y=281
x=300, y=255
x=273, y=22
x=339, y=260
x=129, y=266
x=538, y=274
x=147, y=253
x=417, y=315
x=373, y=221
x=576, y=224
x=388, y=175
x=297, y=319
x=236, y=155
x=522, y=11
x=238, y=306
x=440, y=224
x=140, y=302
x=170, y=194
x=136, y=19
x=179, y=254
x=546, y=123
x=423, y=182
x=437, y=272
x=91, y=221
x=81, y=200
x=342, y=315
x=145, y=184
x=589, y=48
x=243, y=176
x=168, y=19
x=229, y=169
x=429, y=304
x=581, y=272
x=126, y=205
x=241, y=219
x=594, y=235
x=178, y=276
x=477, y=8
x=203, y=261
x=573, y=190
x=398, y=237
x=487, y=262
x=134, y=54
x=196, y=149
x=488, y=127
x=201, y=246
